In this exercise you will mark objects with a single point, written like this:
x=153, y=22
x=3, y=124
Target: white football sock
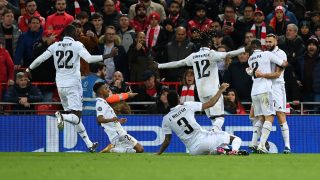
x=256, y=131
x=81, y=130
x=217, y=124
x=71, y=118
x=236, y=143
x=285, y=134
x=265, y=132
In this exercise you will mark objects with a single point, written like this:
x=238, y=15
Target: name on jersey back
x=200, y=56
x=178, y=113
x=65, y=44
x=255, y=57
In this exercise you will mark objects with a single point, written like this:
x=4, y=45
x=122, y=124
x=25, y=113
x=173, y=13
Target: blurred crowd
x=139, y=32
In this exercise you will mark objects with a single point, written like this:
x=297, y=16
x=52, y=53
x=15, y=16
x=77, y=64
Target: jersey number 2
x=62, y=64
x=184, y=122
x=202, y=68
x=255, y=66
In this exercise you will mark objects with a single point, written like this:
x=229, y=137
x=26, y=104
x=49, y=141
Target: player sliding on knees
x=181, y=120
x=66, y=55
x=121, y=141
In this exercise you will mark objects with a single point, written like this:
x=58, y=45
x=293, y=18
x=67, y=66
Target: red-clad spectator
x=200, y=20
x=232, y=104
x=31, y=11
x=279, y=21
x=59, y=20
x=140, y=21
x=6, y=69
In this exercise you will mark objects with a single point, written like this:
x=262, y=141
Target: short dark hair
x=70, y=31
x=7, y=11
x=96, y=16
x=34, y=17
x=97, y=86
x=82, y=15
x=250, y=5
x=173, y=98
x=95, y=67
x=256, y=43
x=175, y=2
x=28, y=1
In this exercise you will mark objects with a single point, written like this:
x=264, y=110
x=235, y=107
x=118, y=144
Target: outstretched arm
x=174, y=64
x=236, y=52
x=43, y=57
x=165, y=144
x=216, y=97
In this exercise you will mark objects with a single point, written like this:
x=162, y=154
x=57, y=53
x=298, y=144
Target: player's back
x=260, y=60
x=181, y=120
x=205, y=71
x=67, y=62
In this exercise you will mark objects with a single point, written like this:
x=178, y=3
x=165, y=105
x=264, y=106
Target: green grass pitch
x=169, y=166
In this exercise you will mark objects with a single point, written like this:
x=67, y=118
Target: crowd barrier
x=40, y=133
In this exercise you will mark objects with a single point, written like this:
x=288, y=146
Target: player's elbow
x=139, y=148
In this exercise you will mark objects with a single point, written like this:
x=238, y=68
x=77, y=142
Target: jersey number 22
x=64, y=63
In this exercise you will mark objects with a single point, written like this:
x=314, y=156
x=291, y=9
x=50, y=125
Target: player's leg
x=216, y=114
x=127, y=144
x=256, y=129
x=279, y=94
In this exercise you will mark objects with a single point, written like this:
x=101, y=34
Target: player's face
x=105, y=91
x=31, y=7
x=270, y=43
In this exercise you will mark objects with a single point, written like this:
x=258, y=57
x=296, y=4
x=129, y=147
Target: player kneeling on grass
x=121, y=141
x=181, y=120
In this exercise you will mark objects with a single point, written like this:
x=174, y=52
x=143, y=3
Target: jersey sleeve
x=194, y=106
x=176, y=64
x=40, y=59
x=166, y=127
x=217, y=56
x=83, y=52
x=275, y=59
x=100, y=109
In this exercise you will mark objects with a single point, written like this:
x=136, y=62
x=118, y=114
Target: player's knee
x=139, y=148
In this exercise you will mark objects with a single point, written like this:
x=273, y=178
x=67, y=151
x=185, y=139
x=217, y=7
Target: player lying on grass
x=121, y=141
x=198, y=141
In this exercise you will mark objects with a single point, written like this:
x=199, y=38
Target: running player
x=261, y=93
x=204, y=63
x=66, y=55
x=121, y=141
x=198, y=141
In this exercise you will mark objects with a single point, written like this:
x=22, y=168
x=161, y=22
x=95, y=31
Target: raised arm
x=216, y=97
x=174, y=64
x=273, y=75
x=236, y=52
x=165, y=144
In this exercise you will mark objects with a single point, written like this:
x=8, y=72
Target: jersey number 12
x=202, y=68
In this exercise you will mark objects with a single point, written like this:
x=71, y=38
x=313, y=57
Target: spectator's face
x=97, y=23
x=117, y=76
x=34, y=25
x=124, y=22
x=150, y=83
x=258, y=18
x=278, y=3
x=31, y=7
x=141, y=38
x=190, y=78
x=315, y=19
x=243, y=57
x=317, y=32
x=237, y=2
x=215, y=26
x=291, y=33
x=22, y=82
x=248, y=38
x=141, y=12
x=201, y=13
x=83, y=21
x=110, y=35
x=109, y=7
x=174, y=9
x=229, y=13
x=8, y=19
x=163, y=97
x=231, y=96
x=279, y=15
x=61, y=5
x=271, y=43
x=181, y=35
x=304, y=30
x=248, y=13
x=154, y=22
x=312, y=49
x=195, y=35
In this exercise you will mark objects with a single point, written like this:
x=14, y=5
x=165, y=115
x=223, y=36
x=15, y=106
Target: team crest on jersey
x=99, y=108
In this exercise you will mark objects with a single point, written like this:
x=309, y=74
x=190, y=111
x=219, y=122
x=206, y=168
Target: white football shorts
x=279, y=96
x=126, y=141
x=217, y=109
x=209, y=142
x=263, y=104
x=71, y=97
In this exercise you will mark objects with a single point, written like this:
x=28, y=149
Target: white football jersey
x=281, y=54
x=261, y=61
x=181, y=120
x=113, y=129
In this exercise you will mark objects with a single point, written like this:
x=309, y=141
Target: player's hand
x=224, y=86
x=131, y=95
x=122, y=120
x=249, y=71
x=114, y=119
x=28, y=72
x=258, y=74
x=155, y=64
